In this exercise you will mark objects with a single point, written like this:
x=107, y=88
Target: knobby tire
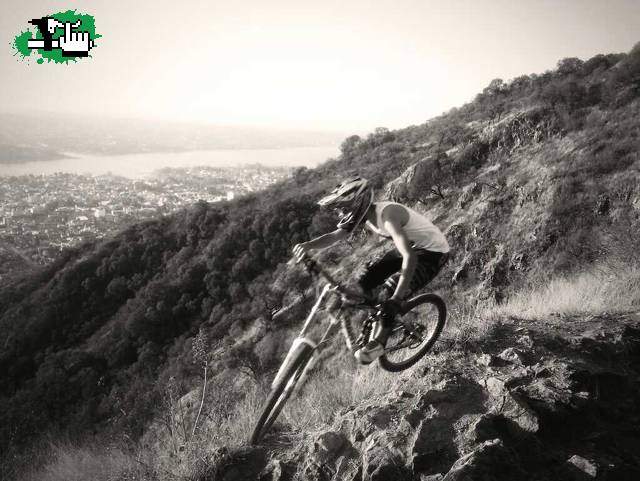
x=279, y=394
x=441, y=308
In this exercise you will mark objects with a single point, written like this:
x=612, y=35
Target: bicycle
x=415, y=331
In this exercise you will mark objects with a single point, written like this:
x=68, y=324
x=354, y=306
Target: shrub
x=472, y=156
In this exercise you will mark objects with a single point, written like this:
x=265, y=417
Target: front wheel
x=281, y=391
x=415, y=332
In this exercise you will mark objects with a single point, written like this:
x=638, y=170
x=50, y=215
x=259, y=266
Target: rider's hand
x=300, y=250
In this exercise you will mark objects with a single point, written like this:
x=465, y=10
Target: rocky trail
x=555, y=399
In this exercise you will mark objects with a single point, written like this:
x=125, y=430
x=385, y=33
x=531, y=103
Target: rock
x=484, y=359
x=331, y=443
x=512, y=355
x=584, y=465
x=273, y=471
x=485, y=428
x=240, y=464
x=519, y=262
x=332, y=457
x=495, y=386
x=432, y=477
x=413, y=418
x=394, y=189
x=509, y=406
x=490, y=461
x=456, y=234
x=433, y=446
x=525, y=341
x=469, y=192
x=509, y=420
x=382, y=459
x=495, y=275
x=490, y=360
x=366, y=420
x=460, y=273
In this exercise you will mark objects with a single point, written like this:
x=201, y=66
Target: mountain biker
x=420, y=251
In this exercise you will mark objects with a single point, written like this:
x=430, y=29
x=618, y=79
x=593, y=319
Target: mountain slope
x=553, y=399
x=536, y=178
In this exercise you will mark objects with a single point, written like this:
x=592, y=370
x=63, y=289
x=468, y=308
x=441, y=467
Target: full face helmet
x=352, y=198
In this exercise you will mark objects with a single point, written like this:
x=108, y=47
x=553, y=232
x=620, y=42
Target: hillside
x=535, y=183
x=12, y=261
x=538, y=400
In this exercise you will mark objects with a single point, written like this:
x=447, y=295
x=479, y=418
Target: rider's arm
x=392, y=221
x=322, y=241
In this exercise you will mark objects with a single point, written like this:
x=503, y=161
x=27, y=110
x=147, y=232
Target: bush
x=472, y=156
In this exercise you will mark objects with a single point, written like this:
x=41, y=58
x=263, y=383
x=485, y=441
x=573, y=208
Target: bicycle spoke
x=413, y=331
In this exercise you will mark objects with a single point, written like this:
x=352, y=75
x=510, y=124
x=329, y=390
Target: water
x=142, y=165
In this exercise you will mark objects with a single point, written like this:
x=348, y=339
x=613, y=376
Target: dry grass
x=69, y=462
x=329, y=392
x=467, y=323
x=596, y=291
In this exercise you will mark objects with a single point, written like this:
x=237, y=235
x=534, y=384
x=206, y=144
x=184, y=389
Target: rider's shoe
x=374, y=348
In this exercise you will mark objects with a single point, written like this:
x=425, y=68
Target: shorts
x=385, y=271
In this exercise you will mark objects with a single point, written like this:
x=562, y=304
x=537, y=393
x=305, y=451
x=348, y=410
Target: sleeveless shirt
x=420, y=230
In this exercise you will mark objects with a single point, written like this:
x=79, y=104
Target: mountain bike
x=415, y=331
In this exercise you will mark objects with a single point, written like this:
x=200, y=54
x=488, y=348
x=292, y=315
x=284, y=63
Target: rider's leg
x=385, y=271
x=428, y=266
x=378, y=270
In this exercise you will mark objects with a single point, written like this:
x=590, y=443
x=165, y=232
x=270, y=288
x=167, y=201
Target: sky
x=343, y=65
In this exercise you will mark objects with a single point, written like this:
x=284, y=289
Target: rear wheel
x=281, y=392
x=415, y=332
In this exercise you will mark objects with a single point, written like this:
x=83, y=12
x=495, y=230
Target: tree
x=520, y=83
x=429, y=179
x=496, y=88
x=568, y=66
x=494, y=96
x=349, y=145
x=266, y=296
x=449, y=133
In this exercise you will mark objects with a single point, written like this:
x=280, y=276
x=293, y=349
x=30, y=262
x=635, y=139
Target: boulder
x=584, y=465
x=490, y=461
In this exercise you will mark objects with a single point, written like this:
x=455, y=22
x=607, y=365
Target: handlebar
x=313, y=267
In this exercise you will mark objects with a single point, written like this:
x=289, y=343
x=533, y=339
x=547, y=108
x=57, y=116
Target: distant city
x=42, y=214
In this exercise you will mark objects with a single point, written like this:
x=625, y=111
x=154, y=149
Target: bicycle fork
x=302, y=339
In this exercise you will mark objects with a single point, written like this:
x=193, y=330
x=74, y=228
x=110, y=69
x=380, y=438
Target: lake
x=142, y=165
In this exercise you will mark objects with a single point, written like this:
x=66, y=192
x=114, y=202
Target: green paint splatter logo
x=60, y=38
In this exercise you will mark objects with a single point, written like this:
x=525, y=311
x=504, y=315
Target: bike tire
x=281, y=392
x=438, y=317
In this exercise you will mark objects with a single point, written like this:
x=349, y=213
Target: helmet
x=353, y=197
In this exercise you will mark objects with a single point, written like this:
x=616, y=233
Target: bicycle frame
x=348, y=299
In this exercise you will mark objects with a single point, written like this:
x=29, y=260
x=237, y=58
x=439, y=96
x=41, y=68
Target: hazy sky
x=327, y=64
